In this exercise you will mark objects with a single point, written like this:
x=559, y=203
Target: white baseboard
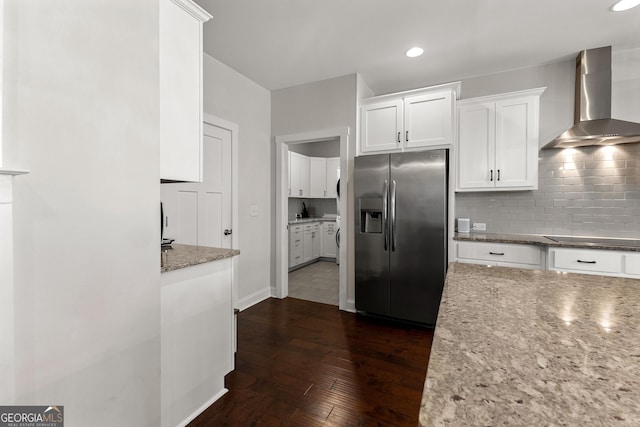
x=351, y=306
x=202, y=408
x=253, y=299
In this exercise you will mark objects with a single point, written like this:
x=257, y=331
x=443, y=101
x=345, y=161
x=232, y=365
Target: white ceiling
x=283, y=43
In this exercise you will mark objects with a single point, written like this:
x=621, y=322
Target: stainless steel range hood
x=592, y=114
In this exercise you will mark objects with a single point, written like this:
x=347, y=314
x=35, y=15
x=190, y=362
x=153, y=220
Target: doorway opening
x=314, y=276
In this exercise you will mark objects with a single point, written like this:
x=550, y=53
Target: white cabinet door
x=298, y=175
x=304, y=176
x=516, y=143
x=180, y=73
x=294, y=175
x=476, y=145
x=316, y=240
x=498, y=142
x=428, y=120
x=333, y=173
x=329, y=247
x=317, y=177
x=307, y=251
x=381, y=126
x=501, y=254
x=295, y=245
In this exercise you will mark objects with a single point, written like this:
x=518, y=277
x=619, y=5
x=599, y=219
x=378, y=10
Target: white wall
x=316, y=106
x=233, y=97
x=556, y=103
x=625, y=91
x=81, y=112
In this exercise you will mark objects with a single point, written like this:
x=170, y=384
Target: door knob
x=227, y=232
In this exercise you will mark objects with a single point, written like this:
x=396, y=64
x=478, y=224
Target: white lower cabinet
x=316, y=241
x=305, y=243
x=329, y=246
x=307, y=239
x=500, y=254
x=196, y=338
x=595, y=261
x=296, y=245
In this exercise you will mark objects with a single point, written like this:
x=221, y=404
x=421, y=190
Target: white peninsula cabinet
x=197, y=336
x=498, y=142
x=416, y=119
x=180, y=50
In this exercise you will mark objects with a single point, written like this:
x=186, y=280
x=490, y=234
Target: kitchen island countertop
x=529, y=347
x=182, y=256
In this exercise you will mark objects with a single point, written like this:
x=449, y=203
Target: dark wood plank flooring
x=301, y=363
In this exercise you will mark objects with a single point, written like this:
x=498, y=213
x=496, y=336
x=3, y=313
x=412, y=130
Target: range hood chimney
x=592, y=113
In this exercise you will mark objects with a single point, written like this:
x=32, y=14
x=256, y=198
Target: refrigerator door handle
x=385, y=219
x=393, y=215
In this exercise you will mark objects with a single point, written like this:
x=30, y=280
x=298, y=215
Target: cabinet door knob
x=407, y=136
x=586, y=262
x=498, y=175
x=398, y=137
x=496, y=253
x=491, y=178
x=227, y=232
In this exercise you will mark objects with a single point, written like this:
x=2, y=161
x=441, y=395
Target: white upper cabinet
x=313, y=177
x=382, y=126
x=428, y=120
x=498, y=142
x=180, y=60
x=298, y=175
x=317, y=177
x=408, y=120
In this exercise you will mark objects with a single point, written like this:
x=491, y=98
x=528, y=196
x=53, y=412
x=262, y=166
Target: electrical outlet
x=254, y=211
x=479, y=226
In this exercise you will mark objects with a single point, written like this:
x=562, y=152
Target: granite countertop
x=182, y=256
x=528, y=347
x=535, y=239
x=303, y=220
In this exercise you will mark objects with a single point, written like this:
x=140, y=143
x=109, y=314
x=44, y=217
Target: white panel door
x=428, y=120
x=476, y=146
x=202, y=217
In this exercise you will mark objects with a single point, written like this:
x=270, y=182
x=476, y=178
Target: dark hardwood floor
x=301, y=363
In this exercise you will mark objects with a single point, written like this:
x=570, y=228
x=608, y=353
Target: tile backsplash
x=589, y=191
x=316, y=207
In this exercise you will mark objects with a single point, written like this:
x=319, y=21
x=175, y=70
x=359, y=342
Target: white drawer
x=593, y=261
x=632, y=264
x=499, y=253
x=295, y=229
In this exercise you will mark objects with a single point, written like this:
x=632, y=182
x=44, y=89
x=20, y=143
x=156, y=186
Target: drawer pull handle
x=496, y=253
x=586, y=262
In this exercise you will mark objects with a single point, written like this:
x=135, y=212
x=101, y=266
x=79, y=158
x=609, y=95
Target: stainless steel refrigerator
x=401, y=234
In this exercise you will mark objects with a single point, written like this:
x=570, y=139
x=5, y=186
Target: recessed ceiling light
x=416, y=51
x=623, y=5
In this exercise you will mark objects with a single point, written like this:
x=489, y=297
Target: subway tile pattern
x=316, y=207
x=591, y=191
